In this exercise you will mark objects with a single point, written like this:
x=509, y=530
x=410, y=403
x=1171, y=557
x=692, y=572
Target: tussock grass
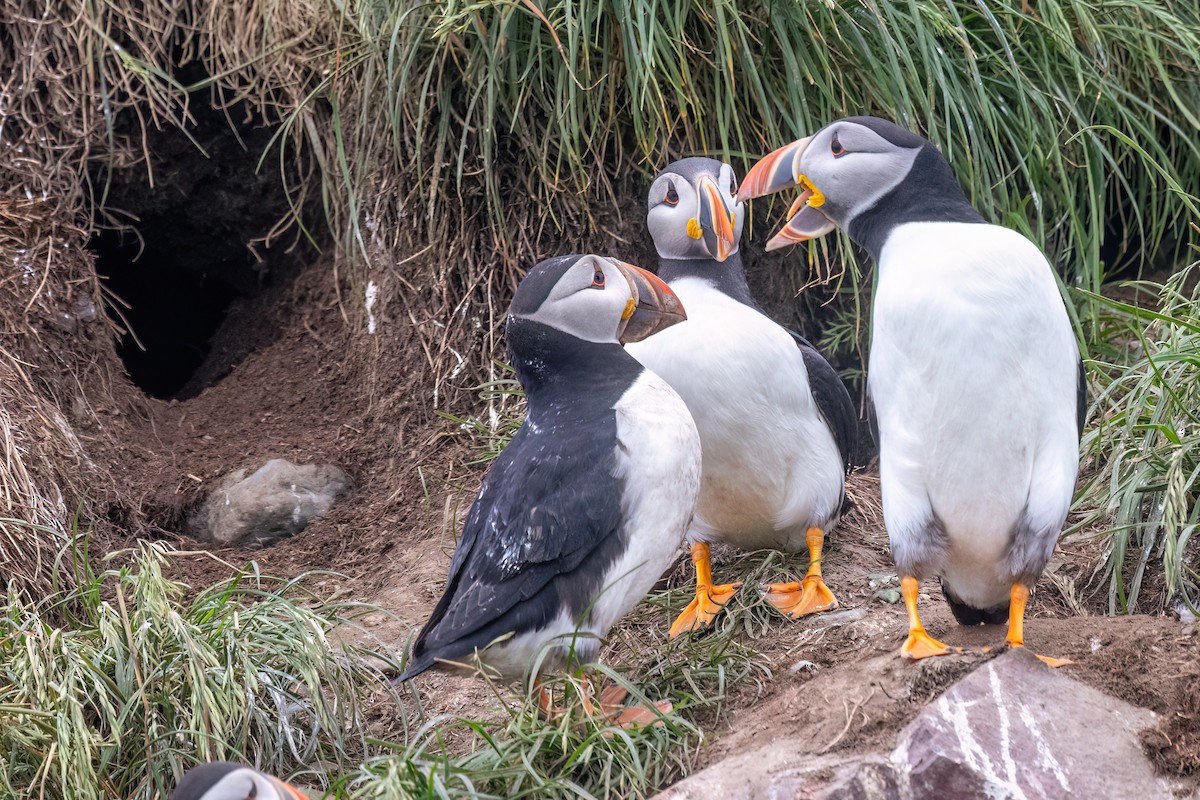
x=577, y=755
x=1146, y=450
x=114, y=689
x=501, y=131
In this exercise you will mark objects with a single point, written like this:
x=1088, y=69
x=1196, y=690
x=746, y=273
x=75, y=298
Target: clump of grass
x=577, y=754
x=1145, y=445
x=504, y=403
x=117, y=687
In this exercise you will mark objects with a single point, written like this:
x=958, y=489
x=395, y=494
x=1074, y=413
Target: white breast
x=658, y=462
x=973, y=373
x=771, y=465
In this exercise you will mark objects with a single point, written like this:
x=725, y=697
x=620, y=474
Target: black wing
x=1081, y=402
x=833, y=400
x=549, y=502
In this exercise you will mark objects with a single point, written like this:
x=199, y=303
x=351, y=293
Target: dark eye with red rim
x=598, y=279
x=732, y=185
x=835, y=147
x=672, y=198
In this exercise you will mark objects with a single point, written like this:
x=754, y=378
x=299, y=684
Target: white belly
x=659, y=464
x=973, y=374
x=771, y=467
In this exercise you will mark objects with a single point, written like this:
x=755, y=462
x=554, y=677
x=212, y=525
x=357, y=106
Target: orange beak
x=715, y=220
x=774, y=172
x=655, y=306
x=781, y=170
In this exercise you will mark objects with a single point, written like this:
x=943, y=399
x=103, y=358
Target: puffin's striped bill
x=806, y=223
x=286, y=790
x=775, y=172
x=657, y=306
x=714, y=219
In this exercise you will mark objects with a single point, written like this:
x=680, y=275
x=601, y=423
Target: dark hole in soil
x=172, y=313
x=190, y=254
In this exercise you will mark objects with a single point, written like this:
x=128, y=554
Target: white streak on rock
x=1047, y=758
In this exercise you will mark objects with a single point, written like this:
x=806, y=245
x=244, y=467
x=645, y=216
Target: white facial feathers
x=588, y=301
x=684, y=203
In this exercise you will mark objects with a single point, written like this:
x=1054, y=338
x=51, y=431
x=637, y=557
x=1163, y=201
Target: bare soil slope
x=315, y=391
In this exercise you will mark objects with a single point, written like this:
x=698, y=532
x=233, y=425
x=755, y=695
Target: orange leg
x=608, y=707
x=919, y=644
x=1018, y=598
x=809, y=595
x=709, y=599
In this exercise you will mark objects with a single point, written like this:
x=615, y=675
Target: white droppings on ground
x=371, y=296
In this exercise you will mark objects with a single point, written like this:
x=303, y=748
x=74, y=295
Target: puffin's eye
x=672, y=198
x=835, y=147
x=598, y=279
x=732, y=185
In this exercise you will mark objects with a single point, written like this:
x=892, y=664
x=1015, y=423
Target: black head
x=593, y=299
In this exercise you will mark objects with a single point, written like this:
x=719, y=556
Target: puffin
x=976, y=384
x=225, y=780
x=777, y=426
x=586, y=507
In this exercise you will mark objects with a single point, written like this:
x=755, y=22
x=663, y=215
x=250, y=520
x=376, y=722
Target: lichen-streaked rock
x=276, y=501
x=1013, y=729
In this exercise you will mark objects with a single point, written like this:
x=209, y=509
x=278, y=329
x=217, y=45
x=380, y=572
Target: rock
x=774, y=772
x=1013, y=728
x=275, y=502
x=833, y=618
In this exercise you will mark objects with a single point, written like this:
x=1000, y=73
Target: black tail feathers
x=969, y=615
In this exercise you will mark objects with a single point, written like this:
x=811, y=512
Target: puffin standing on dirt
x=776, y=424
x=587, y=505
x=224, y=780
x=975, y=376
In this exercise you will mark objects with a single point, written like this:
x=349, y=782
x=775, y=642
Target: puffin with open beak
x=777, y=427
x=975, y=376
x=587, y=505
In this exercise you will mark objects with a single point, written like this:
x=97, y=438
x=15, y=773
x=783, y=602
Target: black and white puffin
x=776, y=424
x=975, y=375
x=224, y=780
x=587, y=505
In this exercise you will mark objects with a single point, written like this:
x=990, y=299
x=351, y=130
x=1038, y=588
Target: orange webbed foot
x=809, y=596
x=921, y=645
x=705, y=606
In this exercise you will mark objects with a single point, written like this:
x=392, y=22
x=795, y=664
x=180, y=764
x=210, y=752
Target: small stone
x=878, y=580
x=278, y=500
x=845, y=617
x=891, y=596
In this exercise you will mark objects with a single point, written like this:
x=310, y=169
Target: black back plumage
x=832, y=399
x=547, y=520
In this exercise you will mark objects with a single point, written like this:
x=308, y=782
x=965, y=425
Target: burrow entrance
x=178, y=257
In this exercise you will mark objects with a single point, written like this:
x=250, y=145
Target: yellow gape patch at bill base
x=630, y=307
x=817, y=199
x=694, y=230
